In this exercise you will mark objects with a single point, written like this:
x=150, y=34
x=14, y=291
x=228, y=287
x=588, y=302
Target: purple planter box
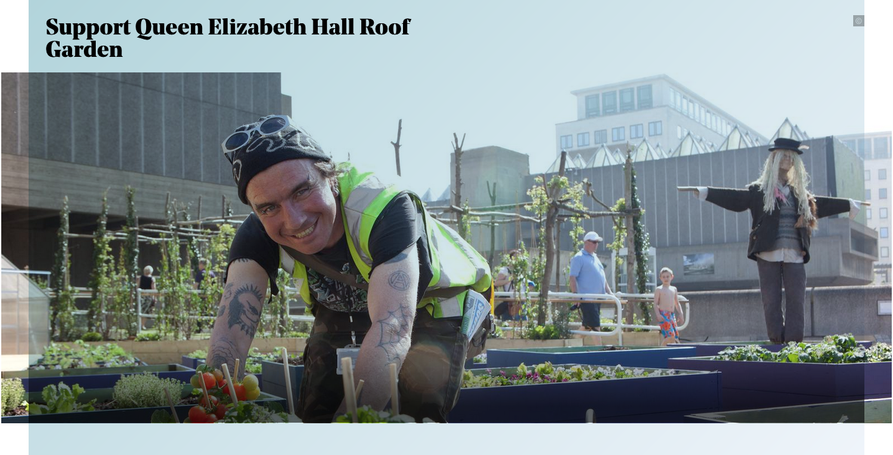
x=642, y=357
x=273, y=380
x=190, y=362
x=95, y=378
x=642, y=400
x=711, y=349
x=752, y=385
x=867, y=411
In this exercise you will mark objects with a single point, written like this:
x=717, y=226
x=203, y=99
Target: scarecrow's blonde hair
x=798, y=180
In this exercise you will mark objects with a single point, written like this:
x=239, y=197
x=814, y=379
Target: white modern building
x=655, y=109
x=874, y=149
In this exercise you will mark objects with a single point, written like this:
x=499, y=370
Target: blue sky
x=501, y=72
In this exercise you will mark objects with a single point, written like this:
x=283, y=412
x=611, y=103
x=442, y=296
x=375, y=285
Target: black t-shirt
x=400, y=224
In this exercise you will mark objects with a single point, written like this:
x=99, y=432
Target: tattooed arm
x=238, y=314
x=392, y=305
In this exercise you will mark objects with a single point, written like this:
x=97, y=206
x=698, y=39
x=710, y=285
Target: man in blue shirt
x=587, y=276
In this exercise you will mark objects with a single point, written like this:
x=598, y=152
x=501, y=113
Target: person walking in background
x=667, y=308
x=784, y=215
x=587, y=276
x=202, y=272
x=505, y=281
x=147, y=303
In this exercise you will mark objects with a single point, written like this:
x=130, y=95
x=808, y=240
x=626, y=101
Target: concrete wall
x=738, y=315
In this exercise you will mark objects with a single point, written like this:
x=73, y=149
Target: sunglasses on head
x=240, y=139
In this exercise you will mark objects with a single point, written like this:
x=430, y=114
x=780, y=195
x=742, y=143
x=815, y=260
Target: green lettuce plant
x=59, y=399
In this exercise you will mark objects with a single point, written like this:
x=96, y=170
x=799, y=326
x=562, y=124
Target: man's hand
x=393, y=288
x=238, y=314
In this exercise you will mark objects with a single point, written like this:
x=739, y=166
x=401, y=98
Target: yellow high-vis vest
x=454, y=263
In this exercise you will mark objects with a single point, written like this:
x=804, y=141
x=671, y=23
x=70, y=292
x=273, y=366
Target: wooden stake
x=350, y=393
x=205, y=390
x=590, y=416
x=171, y=403
x=291, y=402
x=395, y=398
x=360, y=387
x=236, y=369
x=229, y=382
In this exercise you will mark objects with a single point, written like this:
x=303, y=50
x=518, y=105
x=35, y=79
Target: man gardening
x=385, y=282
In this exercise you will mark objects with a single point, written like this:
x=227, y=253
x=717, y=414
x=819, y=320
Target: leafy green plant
x=365, y=414
x=102, y=269
x=62, y=303
x=148, y=336
x=92, y=336
x=12, y=393
x=60, y=398
x=144, y=391
x=59, y=356
x=198, y=354
x=248, y=412
x=832, y=349
x=546, y=373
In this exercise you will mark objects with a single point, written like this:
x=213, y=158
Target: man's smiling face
x=297, y=206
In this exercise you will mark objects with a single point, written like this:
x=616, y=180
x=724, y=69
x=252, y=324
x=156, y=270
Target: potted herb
x=550, y=393
x=837, y=369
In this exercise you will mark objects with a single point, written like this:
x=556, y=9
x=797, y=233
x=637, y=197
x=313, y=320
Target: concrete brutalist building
x=80, y=134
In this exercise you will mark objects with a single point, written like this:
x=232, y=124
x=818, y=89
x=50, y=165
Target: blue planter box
x=868, y=411
x=642, y=357
x=94, y=378
x=644, y=400
x=752, y=385
x=711, y=349
x=134, y=415
x=273, y=380
x=190, y=362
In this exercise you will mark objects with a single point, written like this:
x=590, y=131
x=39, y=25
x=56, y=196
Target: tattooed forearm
x=244, y=309
x=394, y=329
x=224, y=350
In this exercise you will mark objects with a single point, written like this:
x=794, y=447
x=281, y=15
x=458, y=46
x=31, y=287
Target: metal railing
x=618, y=300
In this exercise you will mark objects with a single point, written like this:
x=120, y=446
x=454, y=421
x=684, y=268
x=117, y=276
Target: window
x=592, y=106
x=882, y=193
x=881, y=148
x=868, y=214
x=860, y=149
x=882, y=174
x=697, y=112
x=655, y=128
x=601, y=137
x=644, y=95
x=885, y=232
x=609, y=103
x=867, y=175
x=885, y=251
x=636, y=131
x=583, y=139
x=882, y=212
x=627, y=101
x=677, y=100
x=685, y=105
x=678, y=132
x=691, y=109
x=868, y=194
x=618, y=134
x=567, y=142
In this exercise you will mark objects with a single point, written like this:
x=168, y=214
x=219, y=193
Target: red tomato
x=197, y=414
x=220, y=411
x=241, y=393
x=210, y=382
x=211, y=418
x=214, y=402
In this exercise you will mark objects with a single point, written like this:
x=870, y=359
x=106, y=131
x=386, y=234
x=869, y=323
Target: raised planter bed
x=868, y=411
x=272, y=380
x=94, y=378
x=643, y=399
x=133, y=415
x=190, y=362
x=752, y=385
x=628, y=356
x=521, y=343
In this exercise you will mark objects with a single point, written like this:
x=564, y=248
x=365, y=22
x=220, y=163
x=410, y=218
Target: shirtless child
x=667, y=308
